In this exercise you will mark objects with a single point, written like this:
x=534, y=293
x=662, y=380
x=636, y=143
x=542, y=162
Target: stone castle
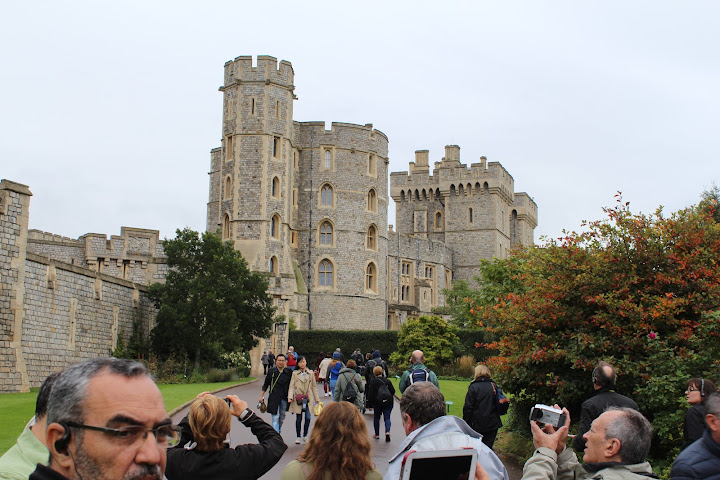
x=307, y=205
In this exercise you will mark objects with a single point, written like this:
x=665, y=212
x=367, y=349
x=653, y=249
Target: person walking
x=277, y=381
x=302, y=394
x=323, y=373
x=481, y=410
x=333, y=371
x=380, y=397
x=265, y=362
x=349, y=380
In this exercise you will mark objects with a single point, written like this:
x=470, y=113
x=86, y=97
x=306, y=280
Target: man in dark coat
x=278, y=381
x=604, y=396
x=702, y=458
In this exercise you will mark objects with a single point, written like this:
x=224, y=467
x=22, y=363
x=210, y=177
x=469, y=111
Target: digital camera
x=548, y=415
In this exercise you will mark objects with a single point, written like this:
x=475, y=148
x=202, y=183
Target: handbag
x=503, y=403
x=318, y=409
x=317, y=375
x=300, y=398
x=262, y=407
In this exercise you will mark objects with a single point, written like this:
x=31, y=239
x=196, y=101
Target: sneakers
x=305, y=439
x=376, y=437
x=387, y=437
x=297, y=441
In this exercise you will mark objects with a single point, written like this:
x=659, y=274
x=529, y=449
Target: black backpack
x=383, y=396
x=419, y=375
x=350, y=393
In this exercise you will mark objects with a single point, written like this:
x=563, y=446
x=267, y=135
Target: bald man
x=603, y=397
x=417, y=372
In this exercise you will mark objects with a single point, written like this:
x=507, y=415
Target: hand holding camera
x=556, y=422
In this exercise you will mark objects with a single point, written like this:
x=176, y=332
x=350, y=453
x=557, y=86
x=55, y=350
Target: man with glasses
x=106, y=420
x=702, y=458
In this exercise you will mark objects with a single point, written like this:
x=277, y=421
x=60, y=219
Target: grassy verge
x=16, y=409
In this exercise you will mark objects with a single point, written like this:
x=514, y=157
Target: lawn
x=16, y=409
x=454, y=391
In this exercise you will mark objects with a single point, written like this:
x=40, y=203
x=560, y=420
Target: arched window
x=371, y=243
x=228, y=188
x=326, y=233
x=325, y=273
x=372, y=200
x=226, y=227
x=371, y=277
x=371, y=164
x=326, y=196
x=274, y=266
x=402, y=195
x=275, y=226
x=470, y=215
x=438, y=221
x=276, y=187
x=328, y=159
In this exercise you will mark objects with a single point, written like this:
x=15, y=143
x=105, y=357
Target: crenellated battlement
x=449, y=175
x=241, y=70
x=342, y=135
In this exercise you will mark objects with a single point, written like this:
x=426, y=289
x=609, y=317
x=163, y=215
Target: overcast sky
x=108, y=110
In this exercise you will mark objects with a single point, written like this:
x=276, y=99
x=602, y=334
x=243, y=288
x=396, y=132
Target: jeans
x=277, y=420
x=376, y=419
x=298, y=420
x=332, y=387
x=489, y=437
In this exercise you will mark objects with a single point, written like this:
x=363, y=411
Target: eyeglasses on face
x=165, y=435
x=692, y=389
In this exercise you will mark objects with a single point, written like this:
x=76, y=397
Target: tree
x=210, y=303
x=636, y=290
x=431, y=334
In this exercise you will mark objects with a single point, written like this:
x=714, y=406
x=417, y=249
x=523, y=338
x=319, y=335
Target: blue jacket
x=699, y=460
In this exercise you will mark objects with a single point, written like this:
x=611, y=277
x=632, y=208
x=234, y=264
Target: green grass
x=453, y=391
x=16, y=409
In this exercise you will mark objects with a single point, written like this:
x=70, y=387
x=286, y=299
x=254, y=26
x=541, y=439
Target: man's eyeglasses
x=165, y=435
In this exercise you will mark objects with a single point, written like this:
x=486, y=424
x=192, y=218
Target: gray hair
x=712, y=404
x=69, y=390
x=423, y=402
x=633, y=431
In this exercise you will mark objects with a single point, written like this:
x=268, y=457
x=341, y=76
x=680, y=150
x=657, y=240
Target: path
x=382, y=451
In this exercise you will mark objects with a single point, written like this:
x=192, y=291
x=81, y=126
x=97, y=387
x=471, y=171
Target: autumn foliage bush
x=639, y=291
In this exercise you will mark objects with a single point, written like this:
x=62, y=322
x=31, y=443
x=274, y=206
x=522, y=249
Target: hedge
x=310, y=342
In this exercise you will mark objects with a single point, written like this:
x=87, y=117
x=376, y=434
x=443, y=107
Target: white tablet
x=458, y=464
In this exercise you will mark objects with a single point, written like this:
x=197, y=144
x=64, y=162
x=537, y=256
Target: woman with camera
x=302, y=394
x=202, y=451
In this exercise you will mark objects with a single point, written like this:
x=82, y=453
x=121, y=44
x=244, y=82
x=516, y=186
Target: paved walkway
x=382, y=451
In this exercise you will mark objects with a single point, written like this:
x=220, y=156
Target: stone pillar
x=14, y=217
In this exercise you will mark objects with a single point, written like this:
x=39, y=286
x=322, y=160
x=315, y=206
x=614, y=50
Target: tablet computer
x=458, y=464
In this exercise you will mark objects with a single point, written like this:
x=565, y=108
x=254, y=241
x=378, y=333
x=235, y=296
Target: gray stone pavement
x=382, y=451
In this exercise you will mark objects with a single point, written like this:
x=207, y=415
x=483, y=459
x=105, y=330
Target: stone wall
x=54, y=312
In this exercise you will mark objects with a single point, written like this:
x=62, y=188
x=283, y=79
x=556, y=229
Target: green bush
x=433, y=335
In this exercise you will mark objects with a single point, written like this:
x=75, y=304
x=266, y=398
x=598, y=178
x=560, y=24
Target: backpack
x=383, y=396
x=350, y=393
x=419, y=375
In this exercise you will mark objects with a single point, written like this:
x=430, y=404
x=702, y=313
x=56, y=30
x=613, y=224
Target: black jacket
x=243, y=462
x=699, y=460
x=278, y=384
x=480, y=410
x=374, y=386
x=43, y=472
x=694, y=425
x=594, y=406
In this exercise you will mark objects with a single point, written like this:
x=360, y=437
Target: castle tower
x=251, y=177
x=474, y=211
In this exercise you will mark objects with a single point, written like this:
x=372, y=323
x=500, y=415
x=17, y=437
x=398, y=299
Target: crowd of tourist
x=106, y=419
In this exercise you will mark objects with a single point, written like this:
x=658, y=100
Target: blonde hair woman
x=302, y=384
x=202, y=451
x=481, y=406
x=339, y=447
